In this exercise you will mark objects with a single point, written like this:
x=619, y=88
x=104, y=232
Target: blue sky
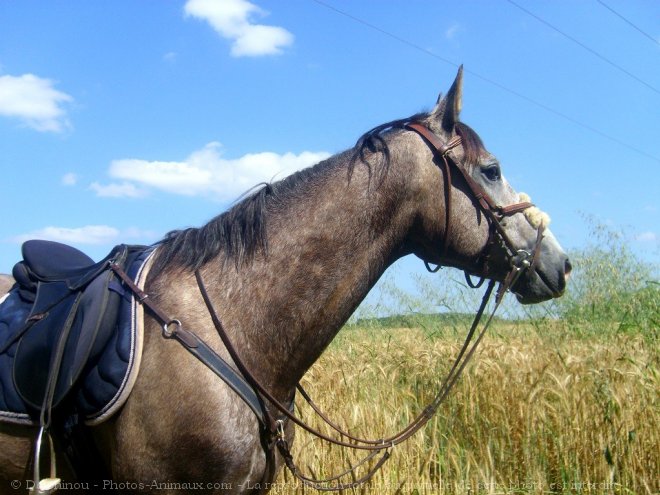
x=120, y=121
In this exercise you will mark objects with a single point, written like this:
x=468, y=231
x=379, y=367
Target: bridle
x=273, y=414
x=493, y=212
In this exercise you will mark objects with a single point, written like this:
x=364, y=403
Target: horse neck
x=328, y=243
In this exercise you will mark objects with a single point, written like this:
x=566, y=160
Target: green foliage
x=611, y=290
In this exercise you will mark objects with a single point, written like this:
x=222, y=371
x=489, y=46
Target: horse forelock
x=473, y=146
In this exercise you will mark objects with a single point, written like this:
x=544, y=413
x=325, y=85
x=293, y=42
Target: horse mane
x=241, y=231
x=373, y=142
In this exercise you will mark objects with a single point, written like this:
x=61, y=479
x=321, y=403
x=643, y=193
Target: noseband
x=272, y=414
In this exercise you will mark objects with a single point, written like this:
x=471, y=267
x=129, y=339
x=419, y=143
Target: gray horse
x=285, y=268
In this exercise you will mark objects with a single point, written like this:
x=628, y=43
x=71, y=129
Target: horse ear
x=448, y=108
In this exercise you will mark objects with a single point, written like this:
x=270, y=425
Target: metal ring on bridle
x=167, y=333
x=522, y=259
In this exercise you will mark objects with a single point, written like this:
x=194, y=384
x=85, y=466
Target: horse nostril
x=568, y=268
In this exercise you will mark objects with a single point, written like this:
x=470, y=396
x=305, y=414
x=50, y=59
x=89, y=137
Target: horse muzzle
x=546, y=280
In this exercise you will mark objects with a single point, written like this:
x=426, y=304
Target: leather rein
x=273, y=414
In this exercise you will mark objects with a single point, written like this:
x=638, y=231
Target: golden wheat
x=531, y=414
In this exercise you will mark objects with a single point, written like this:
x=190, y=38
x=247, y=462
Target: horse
x=285, y=267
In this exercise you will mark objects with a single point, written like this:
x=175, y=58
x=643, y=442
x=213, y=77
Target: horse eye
x=492, y=173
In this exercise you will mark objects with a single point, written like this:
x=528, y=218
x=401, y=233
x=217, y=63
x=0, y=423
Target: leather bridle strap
x=427, y=413
x=250, y=378
x=433, y=139
x=375, y=446
x=442, y=150
x=491, y=209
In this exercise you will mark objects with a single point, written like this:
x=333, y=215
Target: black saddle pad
x=61, y=340
x=63, y=333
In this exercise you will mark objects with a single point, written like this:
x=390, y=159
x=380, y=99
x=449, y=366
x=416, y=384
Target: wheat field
x=539, y=409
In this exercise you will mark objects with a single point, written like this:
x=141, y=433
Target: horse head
x=487, y=227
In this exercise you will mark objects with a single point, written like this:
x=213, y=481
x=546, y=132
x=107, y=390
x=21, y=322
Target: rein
x=258, y=398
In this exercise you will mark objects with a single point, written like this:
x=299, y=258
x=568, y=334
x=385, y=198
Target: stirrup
x=46, y=485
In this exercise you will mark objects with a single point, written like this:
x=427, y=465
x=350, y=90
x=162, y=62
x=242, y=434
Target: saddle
x=75, y=303
x=70, y=347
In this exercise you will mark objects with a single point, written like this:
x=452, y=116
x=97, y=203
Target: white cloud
x=115, y=190
x=453, y=30
x=34, y=101
x=205, y=172
x=89, y=235
x=232, y=19
x=69, y=179
x=647, y=236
